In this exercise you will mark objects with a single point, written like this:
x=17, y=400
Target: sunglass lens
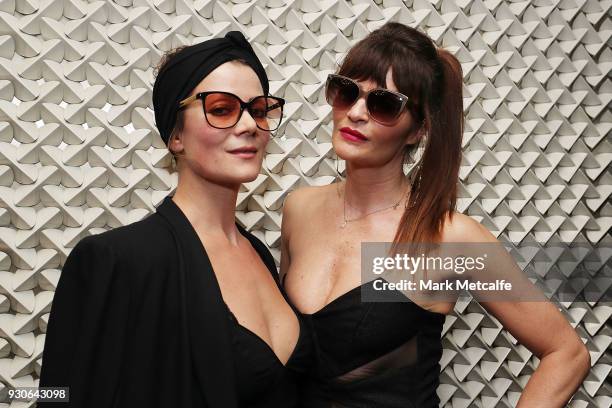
x=222, y=110
x=341, y=93
x=384, y=106
x=267, y=112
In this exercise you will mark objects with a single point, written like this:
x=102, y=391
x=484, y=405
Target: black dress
x=374, y=354
x=262, y=380
x=138, y=320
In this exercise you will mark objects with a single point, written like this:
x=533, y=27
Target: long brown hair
x=432, y=79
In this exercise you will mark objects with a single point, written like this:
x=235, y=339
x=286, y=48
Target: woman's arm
x=564, y=359
x=87, y=328
x=542, y=328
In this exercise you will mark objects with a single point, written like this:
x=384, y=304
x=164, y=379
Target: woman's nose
x=246, y=123
x=358, y=111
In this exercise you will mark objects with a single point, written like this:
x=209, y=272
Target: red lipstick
x=352, y=135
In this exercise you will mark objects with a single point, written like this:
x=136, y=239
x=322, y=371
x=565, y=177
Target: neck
x=370, y=188
x=209, y=207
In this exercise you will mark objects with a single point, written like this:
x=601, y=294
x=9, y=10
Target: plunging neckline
x=265, y=343
x=246, y=329
x=169, y=202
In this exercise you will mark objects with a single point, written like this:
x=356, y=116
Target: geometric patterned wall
x=79, y=151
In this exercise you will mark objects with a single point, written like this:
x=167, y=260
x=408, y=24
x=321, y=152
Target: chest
x=326, y=258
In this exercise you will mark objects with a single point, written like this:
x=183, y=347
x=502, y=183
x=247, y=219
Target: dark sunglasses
x=223, y=110
x=384, y=106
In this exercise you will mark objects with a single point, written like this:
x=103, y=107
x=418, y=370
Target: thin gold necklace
x=346, y=221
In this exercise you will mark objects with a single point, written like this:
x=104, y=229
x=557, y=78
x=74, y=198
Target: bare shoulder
x=302, y=204
x=460, y=227
x=306, y=199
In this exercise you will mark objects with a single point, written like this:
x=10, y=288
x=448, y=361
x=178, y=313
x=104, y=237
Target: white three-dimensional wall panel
x=80, y=154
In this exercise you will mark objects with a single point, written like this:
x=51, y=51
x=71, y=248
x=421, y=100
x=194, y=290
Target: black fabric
x=262, y=379
x=186, y=69
x=138, y=320
x=374, y=354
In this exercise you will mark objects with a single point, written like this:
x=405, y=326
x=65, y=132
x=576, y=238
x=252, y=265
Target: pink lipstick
x=245, y=152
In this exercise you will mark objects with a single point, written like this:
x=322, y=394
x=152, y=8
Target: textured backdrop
x=79, y=151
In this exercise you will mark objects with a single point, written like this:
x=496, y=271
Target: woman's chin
x=232, y=176
x=350, y=155
x=244, y=174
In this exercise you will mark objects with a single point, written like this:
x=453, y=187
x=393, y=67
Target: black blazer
x=138, y=320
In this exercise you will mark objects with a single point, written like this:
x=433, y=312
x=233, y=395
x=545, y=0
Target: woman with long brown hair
x=395, y=91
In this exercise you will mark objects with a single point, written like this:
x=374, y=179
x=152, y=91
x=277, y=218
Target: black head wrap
x=188, y=67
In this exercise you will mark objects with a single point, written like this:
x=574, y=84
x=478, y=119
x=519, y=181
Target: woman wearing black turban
x=184, y=307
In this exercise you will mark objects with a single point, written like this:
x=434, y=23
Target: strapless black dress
x=374, y=355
